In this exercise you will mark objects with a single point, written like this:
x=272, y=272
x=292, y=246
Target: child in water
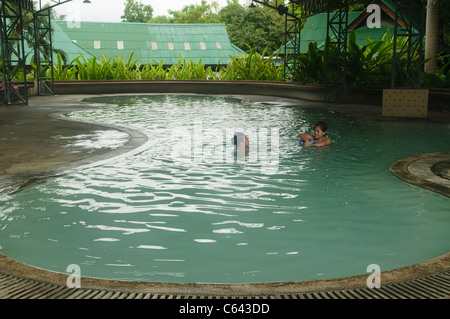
x=319, y=139
x=240, y=140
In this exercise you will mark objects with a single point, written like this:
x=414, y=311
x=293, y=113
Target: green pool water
x=186, y=208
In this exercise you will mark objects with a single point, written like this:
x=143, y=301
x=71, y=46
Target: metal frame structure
x=13, y=47
x=44, y=48
x=12, y=13
x=410, y=45
x=292, y=27
x=43, y=53
x=337, y=24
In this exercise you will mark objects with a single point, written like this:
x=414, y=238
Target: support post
x=336, y=65
x=44, y=53
x=405, y=98
x=13, y=53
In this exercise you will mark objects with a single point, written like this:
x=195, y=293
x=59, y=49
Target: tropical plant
x=442, y=77
x=183, y=70
x=369, y=64
x=154, y=72
x=253, y=66
x=310, y=67
x=97, y=69
x=61, y=71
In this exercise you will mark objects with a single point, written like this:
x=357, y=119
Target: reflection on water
x=108, y=139
x=185, y=210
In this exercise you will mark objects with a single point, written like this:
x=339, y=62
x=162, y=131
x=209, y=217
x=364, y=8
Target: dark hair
x=323, y=125
x=239, y=135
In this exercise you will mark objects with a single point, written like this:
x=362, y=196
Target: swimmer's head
x=320, y=129
x=239, y=138
x=323, y=125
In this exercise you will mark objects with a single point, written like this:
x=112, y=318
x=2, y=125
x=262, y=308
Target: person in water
x=241, y=142
x=319, y=139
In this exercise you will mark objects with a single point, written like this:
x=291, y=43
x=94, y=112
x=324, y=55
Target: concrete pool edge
x=418, y=170
x=425, y=269
x=30, y=171
x=390, y=278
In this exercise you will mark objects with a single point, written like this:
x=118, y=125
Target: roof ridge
x=143, y=23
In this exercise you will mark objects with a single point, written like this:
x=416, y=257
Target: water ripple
x=159, y=215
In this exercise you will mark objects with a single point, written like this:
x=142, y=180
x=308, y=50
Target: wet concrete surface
x=37, y=142
x=442, y=169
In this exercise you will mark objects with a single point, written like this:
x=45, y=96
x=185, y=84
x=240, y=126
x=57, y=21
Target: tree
x=203, y=13
x=444, y=24
x=135, y=11
x=259, y=27
x=53, y=14
x=432, y=36
x=160, y=19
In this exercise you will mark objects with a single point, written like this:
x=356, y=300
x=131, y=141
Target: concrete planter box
x=438, y=98
x=281, y=89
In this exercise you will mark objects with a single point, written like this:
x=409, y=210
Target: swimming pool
x=185, y=209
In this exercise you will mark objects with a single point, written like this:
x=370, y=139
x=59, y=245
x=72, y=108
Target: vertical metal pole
x=3, y=48
x=52, y=89
x=13, y=51
x=22, y=56
x=421, y=44
x=337, y=22
x=412, y=13
x=394, y=51
x=44, y=52
x=327, y=59
x=285, y=46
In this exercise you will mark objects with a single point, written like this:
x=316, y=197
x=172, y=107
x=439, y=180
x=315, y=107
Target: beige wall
x=405, y=103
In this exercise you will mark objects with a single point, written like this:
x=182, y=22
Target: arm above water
x=306, y=138
x=324, y=143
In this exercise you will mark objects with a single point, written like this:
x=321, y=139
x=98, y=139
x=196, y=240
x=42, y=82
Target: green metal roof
x=315, y=31
x=315, y=28
x=150, y=41
x=61, y=41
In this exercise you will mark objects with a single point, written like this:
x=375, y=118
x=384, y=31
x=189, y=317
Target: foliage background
x=258, y=31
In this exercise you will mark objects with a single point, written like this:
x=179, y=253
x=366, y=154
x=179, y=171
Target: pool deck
x=32, y=149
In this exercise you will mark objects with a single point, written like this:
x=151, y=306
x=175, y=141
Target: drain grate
x=431, y=287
